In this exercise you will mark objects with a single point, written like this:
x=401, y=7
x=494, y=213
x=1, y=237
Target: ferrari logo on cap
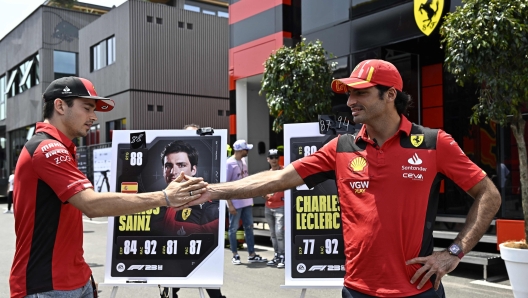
x=186, y=213
x=427, y=14
x=417, y=139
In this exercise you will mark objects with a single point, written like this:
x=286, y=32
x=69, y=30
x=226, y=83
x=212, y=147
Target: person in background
x=51, y=194
x=388, y=176
x=241, y=209
x=10, y=182
x=274, y=213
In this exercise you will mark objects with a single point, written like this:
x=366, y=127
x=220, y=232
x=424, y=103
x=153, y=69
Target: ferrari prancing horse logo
x=427, y=14
x=417, y=139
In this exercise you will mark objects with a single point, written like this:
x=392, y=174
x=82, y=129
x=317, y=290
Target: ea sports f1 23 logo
x=427, y=14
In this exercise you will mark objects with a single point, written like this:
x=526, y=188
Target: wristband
x=166, y=198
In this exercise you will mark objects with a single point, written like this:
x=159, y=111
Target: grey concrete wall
x=45, y=30
x=114, y=78
x=258, y=128
x=178, y=111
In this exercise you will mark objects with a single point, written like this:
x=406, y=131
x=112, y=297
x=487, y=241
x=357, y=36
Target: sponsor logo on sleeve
x=359, y=187
x=358, y=164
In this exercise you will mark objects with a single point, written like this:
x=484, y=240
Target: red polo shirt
x=389, y=198
x=49, y=231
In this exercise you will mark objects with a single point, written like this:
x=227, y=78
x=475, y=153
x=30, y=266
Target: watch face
x=454, y=249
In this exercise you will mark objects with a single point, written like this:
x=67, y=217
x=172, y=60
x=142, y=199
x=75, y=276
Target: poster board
x=314, y=238
x=157, y=247
x=102, y=162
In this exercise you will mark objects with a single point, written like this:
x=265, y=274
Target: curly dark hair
x=402, y=102
x=181, y=146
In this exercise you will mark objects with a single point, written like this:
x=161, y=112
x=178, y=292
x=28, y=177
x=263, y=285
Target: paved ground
x=246, y=280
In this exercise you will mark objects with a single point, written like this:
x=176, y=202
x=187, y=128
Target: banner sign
x=314, y=239
x=102, y=161
x=160, y=245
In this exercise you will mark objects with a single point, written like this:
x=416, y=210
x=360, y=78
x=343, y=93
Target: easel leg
x=201, y=291
x=114, y=292
x=303, y=293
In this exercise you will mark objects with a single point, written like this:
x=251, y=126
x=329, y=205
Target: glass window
x=10, y=89
x=22, y=77
x=114, y=125
x=103, y=53
x=2, y=98
x=317, y=14
x=223, y=14
x=64, y=64
x=191, y=7
x=364, y=7
x=18, y=139
x=209, y=12
x=111, y=50
x=92, y=138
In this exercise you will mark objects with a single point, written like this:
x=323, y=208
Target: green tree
x=62, y=3
x=296, y=82
x=486, y=42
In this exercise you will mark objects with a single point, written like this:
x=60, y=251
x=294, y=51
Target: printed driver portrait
x=177, y=157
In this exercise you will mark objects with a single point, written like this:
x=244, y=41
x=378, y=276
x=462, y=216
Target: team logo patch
x=186, y=213
x=358, y=164
x=417, y=140
x=427, y=14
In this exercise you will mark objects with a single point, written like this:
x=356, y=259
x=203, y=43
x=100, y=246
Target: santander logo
x=415, y=160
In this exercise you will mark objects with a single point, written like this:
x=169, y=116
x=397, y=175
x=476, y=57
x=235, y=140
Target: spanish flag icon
x=129, y=187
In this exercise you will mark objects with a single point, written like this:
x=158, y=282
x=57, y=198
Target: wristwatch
x=455, y=250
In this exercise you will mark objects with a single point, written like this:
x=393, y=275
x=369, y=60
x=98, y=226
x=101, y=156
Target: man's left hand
x=439, y=263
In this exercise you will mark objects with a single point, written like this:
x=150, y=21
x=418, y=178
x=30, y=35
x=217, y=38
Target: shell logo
x=358, y=164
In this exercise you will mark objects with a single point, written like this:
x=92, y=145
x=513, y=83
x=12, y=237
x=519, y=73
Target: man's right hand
x=179, y=191
x=232, y=209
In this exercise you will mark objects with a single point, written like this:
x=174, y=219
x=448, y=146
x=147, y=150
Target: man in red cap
x=388, y=177
x=51, y=194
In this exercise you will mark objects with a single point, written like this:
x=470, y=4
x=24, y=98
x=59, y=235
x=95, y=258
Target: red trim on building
x=246, y=8
x=248, y=59
x=432, y=96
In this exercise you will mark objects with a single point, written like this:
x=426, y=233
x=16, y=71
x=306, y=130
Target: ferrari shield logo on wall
x=417, y=139
x=427, y=14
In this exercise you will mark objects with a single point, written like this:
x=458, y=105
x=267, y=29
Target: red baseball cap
x=77, y=87
x=370, y=73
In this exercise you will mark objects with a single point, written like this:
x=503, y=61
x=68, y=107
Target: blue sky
x=13, y=12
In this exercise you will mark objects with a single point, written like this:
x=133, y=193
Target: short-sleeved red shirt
x=49, y=230
x=275, y=200
x=389, y=198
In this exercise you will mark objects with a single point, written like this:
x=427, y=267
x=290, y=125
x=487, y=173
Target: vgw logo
x=427, y=14
x=359, y=186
